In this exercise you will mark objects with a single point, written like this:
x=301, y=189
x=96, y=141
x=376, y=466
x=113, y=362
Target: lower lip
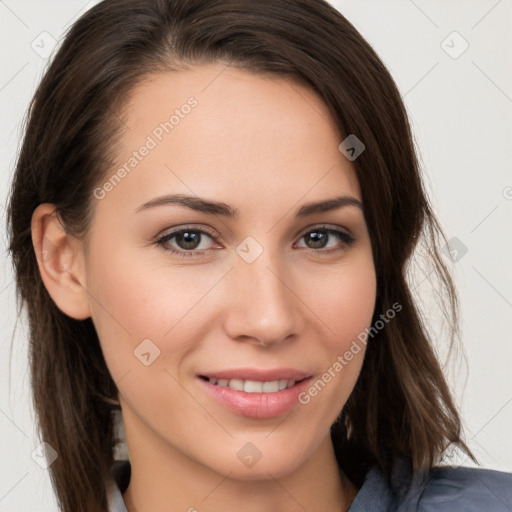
x=256, y=405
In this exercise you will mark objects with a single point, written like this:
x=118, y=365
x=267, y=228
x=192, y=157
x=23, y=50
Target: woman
x=211, y=221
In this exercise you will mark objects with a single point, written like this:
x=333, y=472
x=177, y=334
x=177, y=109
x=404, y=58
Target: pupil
x=188, y=240
x=319, y=239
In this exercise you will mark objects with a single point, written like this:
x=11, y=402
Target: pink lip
x=257, y=405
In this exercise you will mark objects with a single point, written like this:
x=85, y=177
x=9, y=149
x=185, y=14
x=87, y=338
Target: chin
x=251, y=463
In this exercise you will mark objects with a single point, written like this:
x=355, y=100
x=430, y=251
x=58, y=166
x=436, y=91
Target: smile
x=255, y=393
x=253, y=386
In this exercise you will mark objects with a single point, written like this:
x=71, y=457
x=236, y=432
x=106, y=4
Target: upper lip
x=258, y=375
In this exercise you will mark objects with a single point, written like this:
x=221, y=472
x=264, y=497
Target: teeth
x=269, y=387
x=252, y=386
x=236, y=384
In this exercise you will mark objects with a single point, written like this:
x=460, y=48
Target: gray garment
x=444, y=489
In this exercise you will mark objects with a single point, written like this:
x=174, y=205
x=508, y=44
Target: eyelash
x=347, y=239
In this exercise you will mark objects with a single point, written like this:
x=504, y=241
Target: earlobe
x=60, y=262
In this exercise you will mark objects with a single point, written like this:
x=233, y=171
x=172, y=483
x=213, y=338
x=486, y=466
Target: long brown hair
x=401, y=404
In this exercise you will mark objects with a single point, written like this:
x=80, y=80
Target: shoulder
x=466, y=489
x=441, y=489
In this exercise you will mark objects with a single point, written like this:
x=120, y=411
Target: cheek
x=344, y=301
x=136, y=299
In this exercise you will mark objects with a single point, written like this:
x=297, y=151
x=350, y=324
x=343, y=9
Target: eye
x=186, y=241
x=332, y=239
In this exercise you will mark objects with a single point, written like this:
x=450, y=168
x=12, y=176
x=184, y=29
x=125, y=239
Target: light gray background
x=461, y=110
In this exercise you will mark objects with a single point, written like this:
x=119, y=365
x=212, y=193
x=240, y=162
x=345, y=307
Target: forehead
x=222, y=132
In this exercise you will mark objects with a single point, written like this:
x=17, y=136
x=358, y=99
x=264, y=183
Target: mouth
x=253, y=386
x=255, y=393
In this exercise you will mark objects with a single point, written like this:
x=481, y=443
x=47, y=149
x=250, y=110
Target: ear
x=60, y=261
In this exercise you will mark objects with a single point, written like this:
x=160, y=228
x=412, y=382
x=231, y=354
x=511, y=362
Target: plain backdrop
x=452, y=63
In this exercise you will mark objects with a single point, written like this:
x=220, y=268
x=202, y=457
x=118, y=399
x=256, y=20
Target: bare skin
x=265, y=146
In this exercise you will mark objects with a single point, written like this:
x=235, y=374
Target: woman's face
x=257, y=290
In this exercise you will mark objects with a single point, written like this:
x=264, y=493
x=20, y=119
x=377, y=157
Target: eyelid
x=176, y=230
x=326, y=226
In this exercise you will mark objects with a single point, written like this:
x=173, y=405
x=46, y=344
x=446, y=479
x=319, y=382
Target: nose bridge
x=263, y=307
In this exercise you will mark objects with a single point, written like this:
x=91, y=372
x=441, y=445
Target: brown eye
x=331, y=240
x=188, y=239
x=186, y=242
x=317, y=238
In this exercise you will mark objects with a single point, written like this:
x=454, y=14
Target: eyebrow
x=218, y=208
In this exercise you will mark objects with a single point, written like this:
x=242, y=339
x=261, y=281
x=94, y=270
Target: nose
x=263, y=307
